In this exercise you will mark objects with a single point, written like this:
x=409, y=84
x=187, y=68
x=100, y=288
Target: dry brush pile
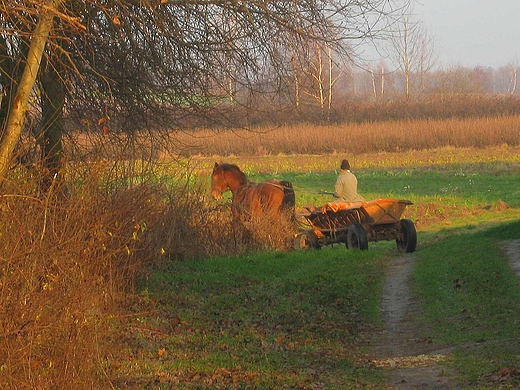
x=69, y=260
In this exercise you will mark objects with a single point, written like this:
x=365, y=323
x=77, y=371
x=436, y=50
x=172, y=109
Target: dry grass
x=354, y=138
x=67, y=262
x=70, y=260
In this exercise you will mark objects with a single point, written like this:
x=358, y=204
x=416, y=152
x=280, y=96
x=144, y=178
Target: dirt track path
x=413, y=361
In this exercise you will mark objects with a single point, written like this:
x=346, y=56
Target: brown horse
x=269, y=199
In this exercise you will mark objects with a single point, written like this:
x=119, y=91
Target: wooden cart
x=355, y=224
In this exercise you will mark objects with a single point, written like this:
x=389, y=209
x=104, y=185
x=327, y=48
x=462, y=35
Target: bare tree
x=378, y=79
x=411, y=50
x=151, y=64
x=514, y=77
x=315, y=73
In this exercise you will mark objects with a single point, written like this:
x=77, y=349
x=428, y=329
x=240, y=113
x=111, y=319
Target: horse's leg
x=286, y=218
x=241, y=217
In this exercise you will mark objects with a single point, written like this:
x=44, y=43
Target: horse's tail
x=289, y=199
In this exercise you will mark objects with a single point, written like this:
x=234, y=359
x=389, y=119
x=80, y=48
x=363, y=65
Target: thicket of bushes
x=432, y=106
x=69, y=261
x=66, y=262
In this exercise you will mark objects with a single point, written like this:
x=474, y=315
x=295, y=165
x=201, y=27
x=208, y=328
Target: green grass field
x=266, y=321
x=469, y=185
x=302, y=319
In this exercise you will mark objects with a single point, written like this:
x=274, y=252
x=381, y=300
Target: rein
x=282, y=187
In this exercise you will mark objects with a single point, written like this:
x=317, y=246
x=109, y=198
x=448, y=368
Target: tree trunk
x=10, y=76
x=53, y=99
x=15, y=121
x=6, y=71
x=331, y=83
x=296, y=83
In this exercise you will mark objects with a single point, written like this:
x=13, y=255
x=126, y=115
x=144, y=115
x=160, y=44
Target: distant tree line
x=384, y=82
x=343, y=94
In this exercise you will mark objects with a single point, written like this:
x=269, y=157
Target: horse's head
x=226, y=177
x=218, y=182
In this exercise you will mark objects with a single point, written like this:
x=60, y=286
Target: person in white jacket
x=345, y=189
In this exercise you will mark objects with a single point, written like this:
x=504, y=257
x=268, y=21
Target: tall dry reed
x=356, y=137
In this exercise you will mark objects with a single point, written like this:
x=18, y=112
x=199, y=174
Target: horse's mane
x=226, y=167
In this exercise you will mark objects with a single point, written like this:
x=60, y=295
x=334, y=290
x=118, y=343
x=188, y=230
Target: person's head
x=345, y=165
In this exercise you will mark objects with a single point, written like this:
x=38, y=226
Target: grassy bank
x=471, y=300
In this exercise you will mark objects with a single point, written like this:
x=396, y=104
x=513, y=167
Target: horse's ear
x=216, y=165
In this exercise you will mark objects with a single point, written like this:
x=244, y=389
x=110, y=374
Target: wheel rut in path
x=411, y=358
x=513, y=251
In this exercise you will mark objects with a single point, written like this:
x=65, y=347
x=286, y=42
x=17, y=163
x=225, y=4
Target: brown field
x=350, y=138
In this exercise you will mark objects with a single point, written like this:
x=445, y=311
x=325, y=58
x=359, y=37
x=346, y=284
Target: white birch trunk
x=15, y=121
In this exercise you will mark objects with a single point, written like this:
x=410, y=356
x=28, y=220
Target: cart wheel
x=306, y=240
x=357, y=237
x=407, y=240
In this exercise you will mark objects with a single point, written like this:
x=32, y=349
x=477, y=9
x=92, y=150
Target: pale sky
x=471, y=33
